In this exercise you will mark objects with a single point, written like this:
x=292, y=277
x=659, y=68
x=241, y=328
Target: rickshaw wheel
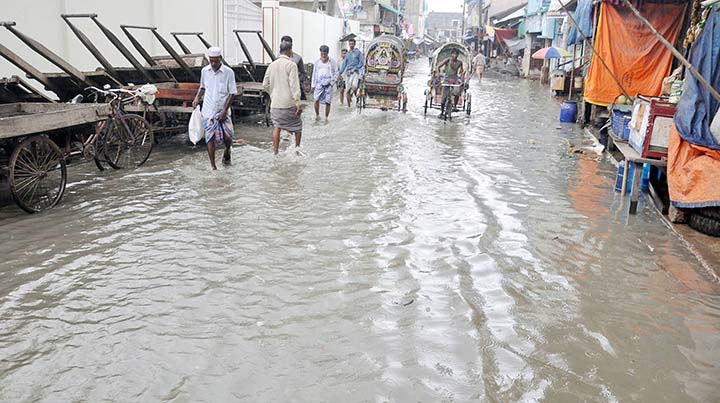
x=37, y=174
x=128, y=148
x=468, y=106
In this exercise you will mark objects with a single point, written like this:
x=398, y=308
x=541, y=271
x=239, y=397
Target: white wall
x=242, y=14
x=40, y=19
x=311, y=30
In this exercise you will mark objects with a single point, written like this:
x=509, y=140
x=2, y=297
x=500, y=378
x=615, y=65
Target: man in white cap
x=217, y=88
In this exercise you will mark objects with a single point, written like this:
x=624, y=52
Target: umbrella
x=551, y=53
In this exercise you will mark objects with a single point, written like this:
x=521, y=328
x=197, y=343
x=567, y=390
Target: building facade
x=414, y=13
x=443, y=26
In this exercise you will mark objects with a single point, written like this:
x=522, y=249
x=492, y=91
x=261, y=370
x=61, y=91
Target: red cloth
x=693, y=173
x=633, y=53
x=502, y=34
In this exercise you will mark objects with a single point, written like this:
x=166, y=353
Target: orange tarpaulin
x=693, y=173
x=633, y=53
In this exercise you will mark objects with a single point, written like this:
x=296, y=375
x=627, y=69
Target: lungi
x=324, y=94
x=286, y=119
x=214, y=129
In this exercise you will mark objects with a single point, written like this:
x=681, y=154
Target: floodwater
x=400, y=259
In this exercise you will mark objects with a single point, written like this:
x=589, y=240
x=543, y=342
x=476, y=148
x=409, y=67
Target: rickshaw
x=461, y=98
x=385, y=64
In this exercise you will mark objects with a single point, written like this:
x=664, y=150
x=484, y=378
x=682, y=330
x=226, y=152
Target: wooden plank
x=633, y=156
x=31, y=71
x=160, y=109
x=50, y=118
x=32, y=90
x=48, y=54
x=626, y=168
x=176, y=94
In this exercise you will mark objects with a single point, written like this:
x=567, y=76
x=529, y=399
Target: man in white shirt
x=217, y=88
x=282, y=83
x=479, y=63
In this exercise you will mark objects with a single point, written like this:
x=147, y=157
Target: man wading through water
x=341, y=81
x=298, y=60
x=352, y=68
x=282, y=83
x=453, y=75
x=217, y=88
x=324, y=75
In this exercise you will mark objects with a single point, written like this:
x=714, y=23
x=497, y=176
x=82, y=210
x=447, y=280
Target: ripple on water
x=400, y=258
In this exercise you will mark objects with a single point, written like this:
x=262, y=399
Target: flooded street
x=400, y=259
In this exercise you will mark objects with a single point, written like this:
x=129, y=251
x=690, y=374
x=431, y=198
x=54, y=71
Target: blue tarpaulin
x=583, y=16
x=697, y=107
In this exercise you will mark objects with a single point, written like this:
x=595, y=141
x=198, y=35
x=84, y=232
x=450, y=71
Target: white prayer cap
x=214, y=52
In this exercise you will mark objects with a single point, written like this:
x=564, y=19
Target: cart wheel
x=469, y=105
x=128, y=142
x=37, y=174
x=427, y=99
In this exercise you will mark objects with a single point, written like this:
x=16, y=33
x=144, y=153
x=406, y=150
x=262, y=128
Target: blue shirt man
x=354, y=61
x=352, y=68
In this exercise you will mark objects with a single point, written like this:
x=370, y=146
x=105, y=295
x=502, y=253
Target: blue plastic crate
x=621, y=124
x=644, y=184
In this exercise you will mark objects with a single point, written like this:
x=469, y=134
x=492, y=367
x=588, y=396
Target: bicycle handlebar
x=115, y=93
x=112, y=91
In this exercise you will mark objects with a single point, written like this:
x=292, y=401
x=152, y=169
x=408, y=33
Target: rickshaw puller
x=453, y=75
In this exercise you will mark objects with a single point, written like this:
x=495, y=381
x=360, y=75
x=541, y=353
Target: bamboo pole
x=569, y=14
x=674, y=51
x=572, y=74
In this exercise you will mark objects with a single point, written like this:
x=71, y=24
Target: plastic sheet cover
x=583, y=16
x=633, y=53
x=694, y=154
x=693, y=174
x=697, y=108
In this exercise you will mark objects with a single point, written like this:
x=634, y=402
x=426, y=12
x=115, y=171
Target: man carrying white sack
x=217, y=88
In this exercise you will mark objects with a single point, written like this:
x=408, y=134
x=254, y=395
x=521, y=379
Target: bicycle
x=449, y=99
x=123, y=140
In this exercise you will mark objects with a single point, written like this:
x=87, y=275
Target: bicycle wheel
x=449, y=107
x=37, y=174
x=128, y=142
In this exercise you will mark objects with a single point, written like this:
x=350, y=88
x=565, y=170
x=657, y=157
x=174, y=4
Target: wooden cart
x=31, y=158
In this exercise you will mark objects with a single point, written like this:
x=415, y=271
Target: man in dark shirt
x=297, y=59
